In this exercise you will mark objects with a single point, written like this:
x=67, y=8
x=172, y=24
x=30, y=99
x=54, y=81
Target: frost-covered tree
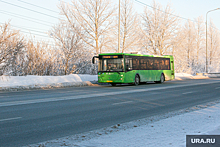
x=11, y=48
x=70, y=44
x=189, y=53
x=213, y=47
x=129, y=28
x=39, y=58
x=189, y=34
x=94, y=18
x=160, y=27
x=200, y=41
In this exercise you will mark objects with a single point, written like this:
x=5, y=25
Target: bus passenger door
x=129, y=73
x=172, y=70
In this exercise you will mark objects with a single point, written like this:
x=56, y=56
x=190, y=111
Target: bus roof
x=130, y=54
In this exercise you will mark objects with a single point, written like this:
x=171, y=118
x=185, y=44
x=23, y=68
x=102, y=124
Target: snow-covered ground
x=32, y=82
x=168, y=130
x=6, y=81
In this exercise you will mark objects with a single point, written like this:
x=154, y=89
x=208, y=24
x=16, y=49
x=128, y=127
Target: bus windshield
x=111, y=65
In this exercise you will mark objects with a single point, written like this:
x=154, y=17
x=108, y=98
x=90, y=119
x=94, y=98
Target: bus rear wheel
x=137, y=80
x=113, y=84
x=162, y=78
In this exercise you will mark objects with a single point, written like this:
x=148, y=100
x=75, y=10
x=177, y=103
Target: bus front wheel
x=137, y=80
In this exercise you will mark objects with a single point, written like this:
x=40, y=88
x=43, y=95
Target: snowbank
x=183, y=75
x=31, y=81
x=38, y=82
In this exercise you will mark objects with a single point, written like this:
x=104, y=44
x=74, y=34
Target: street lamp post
x=119, y=27
x=207, y=40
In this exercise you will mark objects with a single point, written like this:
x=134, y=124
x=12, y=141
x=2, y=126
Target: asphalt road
x=28, y=117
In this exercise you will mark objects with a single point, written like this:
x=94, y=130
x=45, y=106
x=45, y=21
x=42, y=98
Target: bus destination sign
x=108, y=57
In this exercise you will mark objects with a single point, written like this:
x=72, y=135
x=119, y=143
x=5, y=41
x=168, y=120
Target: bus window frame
x=152, y=63
x=128, y=67
x=101, y=60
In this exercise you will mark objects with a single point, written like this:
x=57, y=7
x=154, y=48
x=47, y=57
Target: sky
x=37, y=17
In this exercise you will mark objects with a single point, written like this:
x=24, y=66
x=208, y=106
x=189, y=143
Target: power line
x=32, y=30
x=29, y=9
x=25, y=17
x=33, y=34
x=28, y=32
x=38, y=6
x=162, y=10
x=28, y=29
x=170, y=13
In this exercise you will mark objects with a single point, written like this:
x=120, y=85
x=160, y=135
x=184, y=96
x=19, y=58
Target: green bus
x=118, y=68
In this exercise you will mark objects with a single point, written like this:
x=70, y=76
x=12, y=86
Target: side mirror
x=93, y=59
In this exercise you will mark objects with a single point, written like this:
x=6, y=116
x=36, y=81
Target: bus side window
x=135, y=64
x=128, y=63
x=167, y=63
x=163, y=64
x=149, y=64
x=143, y=64
x=160, y=64
x=156, y=64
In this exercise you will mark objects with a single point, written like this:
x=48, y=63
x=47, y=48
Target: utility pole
x=119, y=27
x=207, y=41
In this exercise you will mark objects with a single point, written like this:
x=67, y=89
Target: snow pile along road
x=38, y=82
x=31, y=82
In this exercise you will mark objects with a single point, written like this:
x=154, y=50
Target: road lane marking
x=154, y=103
x=187, y=92
x=120, y=103
x=217, y=88
x=13, y=103
x=7, y=119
